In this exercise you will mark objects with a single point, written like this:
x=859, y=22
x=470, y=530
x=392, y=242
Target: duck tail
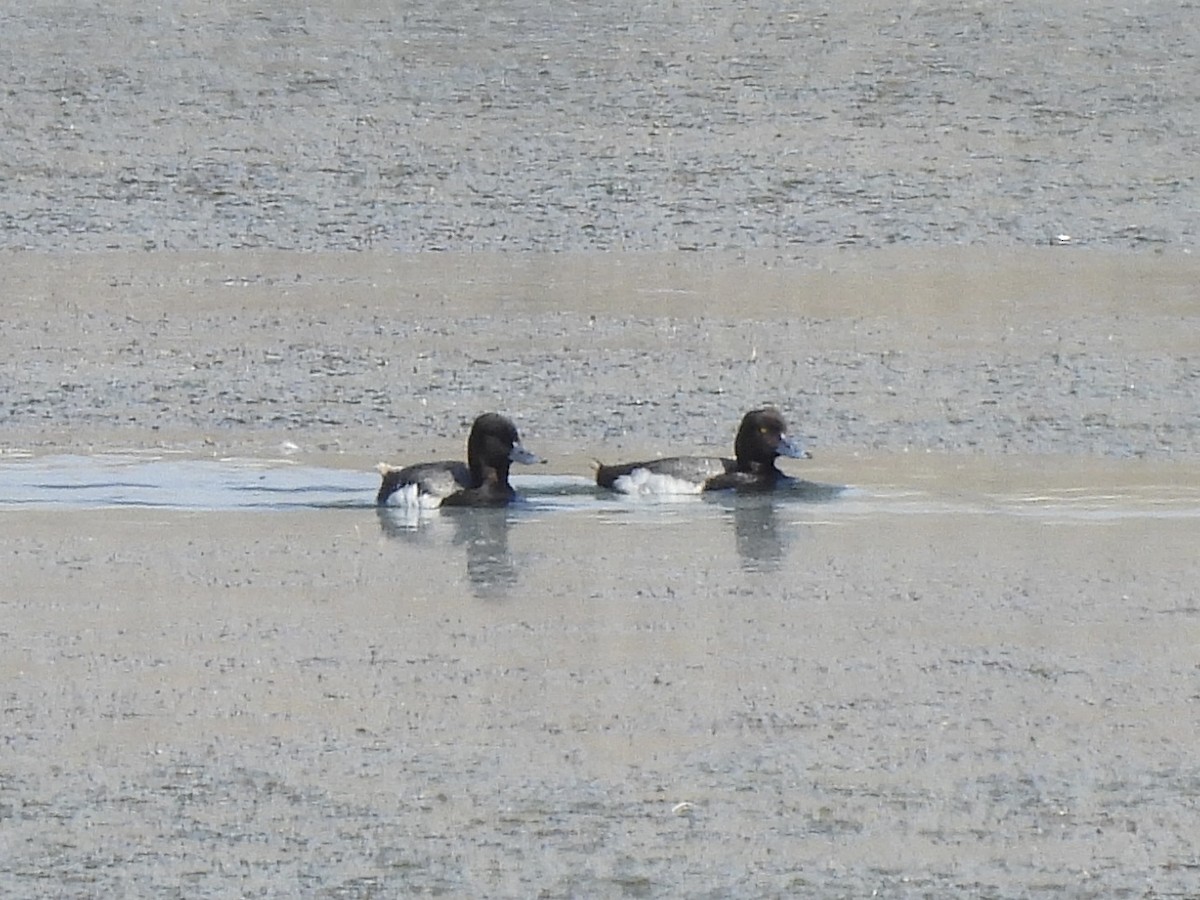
x=603, y=475
x=391, y=481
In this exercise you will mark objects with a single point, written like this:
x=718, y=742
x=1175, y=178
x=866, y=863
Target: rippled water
x=183, y=483
x=163, y=482
x=764, y=528
x=985, y=663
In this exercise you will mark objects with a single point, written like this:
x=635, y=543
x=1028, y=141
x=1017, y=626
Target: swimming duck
x=761, y=439
x=492, y=447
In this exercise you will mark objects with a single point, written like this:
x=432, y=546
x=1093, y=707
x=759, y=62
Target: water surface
x=984, y=665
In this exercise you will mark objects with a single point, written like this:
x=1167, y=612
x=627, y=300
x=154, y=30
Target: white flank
x=410, y=497
x=644, y=483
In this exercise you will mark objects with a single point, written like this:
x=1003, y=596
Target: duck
x=761, y=439
x=492, y=446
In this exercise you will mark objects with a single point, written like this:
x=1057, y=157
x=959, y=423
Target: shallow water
x=957, y=675
x=764, y=527
x=973, y=673
x=939, y=485
x=614, y=126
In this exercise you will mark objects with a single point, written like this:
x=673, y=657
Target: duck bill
x=519, y=454
x=792, y=448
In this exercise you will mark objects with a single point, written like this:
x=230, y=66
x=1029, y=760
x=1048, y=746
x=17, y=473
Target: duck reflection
x=482, y=532
x=760, y=546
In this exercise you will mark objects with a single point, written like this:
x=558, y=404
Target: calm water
x=954, y=676
x=1018, y=487
x=763, y=528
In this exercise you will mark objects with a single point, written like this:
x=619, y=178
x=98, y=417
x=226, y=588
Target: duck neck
x=483, y=474
x=758, y=467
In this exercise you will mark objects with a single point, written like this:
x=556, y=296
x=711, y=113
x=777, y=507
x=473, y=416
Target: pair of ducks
x=494, y=445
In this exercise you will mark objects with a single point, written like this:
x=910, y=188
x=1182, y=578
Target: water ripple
x=163, y=481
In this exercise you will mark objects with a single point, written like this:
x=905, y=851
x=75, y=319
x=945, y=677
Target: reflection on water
x=167, y=482
x=164, y=482
x=1015, y=487
x=760, y=544
x=492, y=569
x=765, y=527
x=483, y=533
x=928, y=640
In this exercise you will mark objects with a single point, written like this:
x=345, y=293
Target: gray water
x=763, y=526
x=967, y=675
x=527, y=125
x=954, y=677
x=180, y=482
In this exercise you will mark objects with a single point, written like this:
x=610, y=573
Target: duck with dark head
x=492, y=447
x=761, y=439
